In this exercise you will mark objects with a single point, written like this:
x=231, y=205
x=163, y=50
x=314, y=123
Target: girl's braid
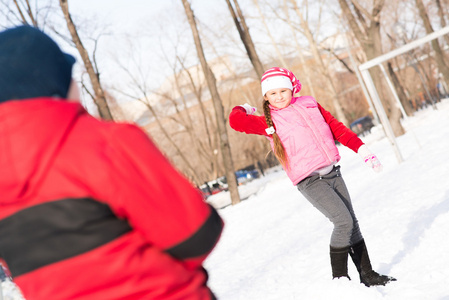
x=279, y=150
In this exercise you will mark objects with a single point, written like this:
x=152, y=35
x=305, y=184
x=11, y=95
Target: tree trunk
x=368, y=35
x=100, y=99
x=246, y=37
x=29, y=12
x=441, y=14
x=439, y=55
x=400, y=90
x=219, y=113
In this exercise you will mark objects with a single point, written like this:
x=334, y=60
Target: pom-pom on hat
x=276, y=78
x=32, y=65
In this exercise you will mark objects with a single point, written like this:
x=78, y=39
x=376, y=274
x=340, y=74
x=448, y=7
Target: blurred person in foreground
x=89, y=209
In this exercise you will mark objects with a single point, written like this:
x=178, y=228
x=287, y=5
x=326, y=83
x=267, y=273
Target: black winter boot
x=339, y=262
x=368, y=277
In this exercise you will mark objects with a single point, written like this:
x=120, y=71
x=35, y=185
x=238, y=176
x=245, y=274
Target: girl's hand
x=370, y=159
x=249, y=109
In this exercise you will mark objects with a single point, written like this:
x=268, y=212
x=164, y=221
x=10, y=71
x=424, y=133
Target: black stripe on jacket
x=202, y=241
x=53, y=231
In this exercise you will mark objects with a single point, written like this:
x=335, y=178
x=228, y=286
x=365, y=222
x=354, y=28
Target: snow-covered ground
x=275, y=245
x=9, y=291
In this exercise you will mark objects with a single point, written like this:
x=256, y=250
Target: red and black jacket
x=93, y=210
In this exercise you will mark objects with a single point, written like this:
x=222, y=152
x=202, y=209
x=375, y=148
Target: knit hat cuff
x=276, y=82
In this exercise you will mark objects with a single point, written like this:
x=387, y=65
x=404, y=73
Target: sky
x=133, y=35
x=120, y=12
x=126, y=12
x=275, y=245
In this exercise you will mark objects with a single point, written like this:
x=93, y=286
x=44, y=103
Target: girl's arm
x=341, y=133
x=240, y=121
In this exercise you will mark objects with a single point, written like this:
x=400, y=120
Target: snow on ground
x=9, y=291
x=275, y=245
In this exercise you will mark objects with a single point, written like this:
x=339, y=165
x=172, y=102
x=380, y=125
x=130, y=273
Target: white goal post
x=364, y=69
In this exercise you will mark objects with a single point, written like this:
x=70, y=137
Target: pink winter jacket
x=306, y=137
x=307, y=132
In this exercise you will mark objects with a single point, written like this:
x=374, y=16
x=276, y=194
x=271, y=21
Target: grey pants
x=328, y=193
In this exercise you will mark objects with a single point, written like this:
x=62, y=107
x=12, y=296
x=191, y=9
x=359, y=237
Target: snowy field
x=275, y=245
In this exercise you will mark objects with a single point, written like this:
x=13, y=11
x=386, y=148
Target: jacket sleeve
x=159, y=202
x=249, y=124
x=340, y=132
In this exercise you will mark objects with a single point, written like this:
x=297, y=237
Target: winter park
x=226, y=149
x=274, y=245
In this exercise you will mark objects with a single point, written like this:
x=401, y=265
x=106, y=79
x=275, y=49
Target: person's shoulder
x=113, y=132
x=127, y=130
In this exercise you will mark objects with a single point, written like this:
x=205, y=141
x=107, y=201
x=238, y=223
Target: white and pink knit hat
x=276, y=78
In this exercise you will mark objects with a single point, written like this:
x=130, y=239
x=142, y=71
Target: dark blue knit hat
x=32, y=65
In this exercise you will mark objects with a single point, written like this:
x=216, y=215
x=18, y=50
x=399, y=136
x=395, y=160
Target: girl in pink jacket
x=302, y=135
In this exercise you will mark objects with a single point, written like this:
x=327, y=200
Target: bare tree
x=194, y=125
x=441, y=13
x=299, y=51
x=243, y=30
x=365, y=26
x=400, y=90
x=336, y=101
x=439, y=55
x=251, y=149
x=28, y=12
x=219, y=113
x=235, y=77
x=23, y=12
x=267, y=29
x=99, y=99
x=196, y=120
x=141, y=93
